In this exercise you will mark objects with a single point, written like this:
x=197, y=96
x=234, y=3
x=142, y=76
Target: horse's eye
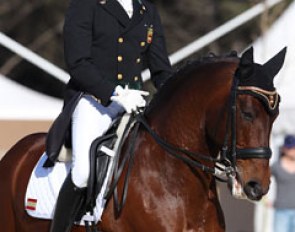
x=247, y=116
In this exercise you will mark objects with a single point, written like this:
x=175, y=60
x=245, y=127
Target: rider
x=107, y=45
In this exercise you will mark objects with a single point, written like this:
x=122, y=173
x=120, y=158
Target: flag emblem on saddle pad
x=31, y=204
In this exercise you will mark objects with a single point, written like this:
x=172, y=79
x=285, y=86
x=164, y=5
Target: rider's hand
x=129, y=99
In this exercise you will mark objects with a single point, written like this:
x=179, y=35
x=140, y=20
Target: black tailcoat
x=105, y=48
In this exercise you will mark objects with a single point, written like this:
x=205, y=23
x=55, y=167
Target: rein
x=177, y=151
x=135, y=121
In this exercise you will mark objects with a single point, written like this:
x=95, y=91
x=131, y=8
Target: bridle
x=230, y=153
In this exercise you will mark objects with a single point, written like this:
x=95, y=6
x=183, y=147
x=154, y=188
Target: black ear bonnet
x=261, y=76
x=257, y=80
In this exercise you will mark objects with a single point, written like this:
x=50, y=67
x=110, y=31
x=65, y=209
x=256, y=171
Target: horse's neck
x=173, y=118
x=178, y=120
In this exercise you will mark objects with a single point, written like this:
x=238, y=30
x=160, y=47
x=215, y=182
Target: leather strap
x=254, y=153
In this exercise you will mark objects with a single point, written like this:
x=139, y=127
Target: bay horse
x=218, y=110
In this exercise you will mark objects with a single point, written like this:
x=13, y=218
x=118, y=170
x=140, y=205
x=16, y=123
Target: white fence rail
x=34, y=58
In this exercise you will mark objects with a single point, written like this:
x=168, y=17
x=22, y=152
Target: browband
x=271, y=97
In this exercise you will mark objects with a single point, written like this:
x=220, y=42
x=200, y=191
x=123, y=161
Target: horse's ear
x=273, y=66
x=247, y=57
x=245, y=69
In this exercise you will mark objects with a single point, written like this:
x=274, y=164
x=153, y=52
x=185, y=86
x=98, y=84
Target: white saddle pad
x=43, y=189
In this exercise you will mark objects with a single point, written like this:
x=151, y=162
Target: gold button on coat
x=136, y=78
x=120, y=76
x=142, y=44
x=120, y=40
x=138, y=60
x=120, y=58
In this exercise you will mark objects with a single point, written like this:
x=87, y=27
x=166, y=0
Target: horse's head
x=254, y=105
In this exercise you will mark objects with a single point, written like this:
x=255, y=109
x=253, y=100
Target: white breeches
x=89, y=121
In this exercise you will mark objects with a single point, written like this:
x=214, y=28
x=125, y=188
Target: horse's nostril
x=253, y=190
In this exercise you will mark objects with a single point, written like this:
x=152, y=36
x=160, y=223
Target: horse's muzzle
x=254, y=190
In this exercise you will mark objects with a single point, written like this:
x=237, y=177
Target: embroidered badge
x=31, y=204
x=150, y=33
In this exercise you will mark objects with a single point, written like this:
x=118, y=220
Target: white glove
x=129, y=99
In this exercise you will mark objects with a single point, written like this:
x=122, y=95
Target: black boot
x=68, y=204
